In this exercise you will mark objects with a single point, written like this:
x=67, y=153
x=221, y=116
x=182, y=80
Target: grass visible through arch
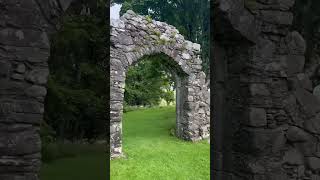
x=152, y=153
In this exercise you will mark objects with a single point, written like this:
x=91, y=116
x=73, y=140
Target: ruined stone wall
x=24, y=51
x=266, y=119
x=134, y=36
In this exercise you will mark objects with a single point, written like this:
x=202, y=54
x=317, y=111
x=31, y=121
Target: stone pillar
x=24, y=51
x=265, y=118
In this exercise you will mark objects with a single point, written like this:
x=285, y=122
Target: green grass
x=89, y=163
x=152, y=153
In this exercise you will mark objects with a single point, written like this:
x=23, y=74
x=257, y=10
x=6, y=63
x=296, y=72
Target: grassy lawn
x=152, y=153
x=89, y=163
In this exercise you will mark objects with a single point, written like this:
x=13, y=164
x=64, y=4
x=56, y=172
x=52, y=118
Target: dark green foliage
x=307, y=22
x=75, y=113
x=76, y=101
x=149, y=81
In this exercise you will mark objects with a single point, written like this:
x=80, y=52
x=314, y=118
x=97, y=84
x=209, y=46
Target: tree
x=307, y=22
x=149, y=81
x=77, y=85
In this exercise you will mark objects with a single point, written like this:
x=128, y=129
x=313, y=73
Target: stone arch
x=134, y=36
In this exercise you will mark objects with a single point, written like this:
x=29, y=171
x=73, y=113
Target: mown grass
x=152, y=153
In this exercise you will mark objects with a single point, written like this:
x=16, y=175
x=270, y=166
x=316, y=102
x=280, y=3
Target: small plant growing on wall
x=173, y=34
x=172, y=41
x=149, y=19
x=161, y=42
x=158, y=33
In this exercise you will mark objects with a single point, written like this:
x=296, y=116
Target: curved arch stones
x=134, y=36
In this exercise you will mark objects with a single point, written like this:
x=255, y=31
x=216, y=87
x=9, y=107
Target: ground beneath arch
x=152, y=153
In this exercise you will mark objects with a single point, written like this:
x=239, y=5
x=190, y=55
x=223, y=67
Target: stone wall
x=135, y=36
x=266, y=119
x=24, y=51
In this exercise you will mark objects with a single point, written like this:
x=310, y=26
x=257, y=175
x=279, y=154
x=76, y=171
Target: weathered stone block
x=124, y=39
x=14, y=37
x=258, y=141
x=315, y=177
x=295, y=64
x=38, y=76
x=31, y=54
x=304, y=81
x=313, y=124
x=309, y=147
x=296, y=134
x=310, y=104
x=296, y=44
x=25, y=118
x=313, y=163
x=21, y=68
x=20, y=143
x=277, y=17
x=257, y=117
x=4, y=69
x=9, y=87
x=293, y=157
x=36, y=91
x=259, y=89
x=21, y=106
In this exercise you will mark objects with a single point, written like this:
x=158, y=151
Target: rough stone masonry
x=266, y=119
x=134, y=36
x=24, y=51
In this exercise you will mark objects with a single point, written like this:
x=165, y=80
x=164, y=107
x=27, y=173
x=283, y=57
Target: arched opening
x=153, y=135
x=167, y=79
x=135, y=36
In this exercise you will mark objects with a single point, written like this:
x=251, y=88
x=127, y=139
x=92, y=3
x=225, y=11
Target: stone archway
x=134, y=36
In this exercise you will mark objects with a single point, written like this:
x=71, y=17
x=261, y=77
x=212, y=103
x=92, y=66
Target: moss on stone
x=136, y=49
x=171, y=41
x=173, y=34
x=250, y=4
x=149, y=19
x=163, y=41
x=158, y=33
